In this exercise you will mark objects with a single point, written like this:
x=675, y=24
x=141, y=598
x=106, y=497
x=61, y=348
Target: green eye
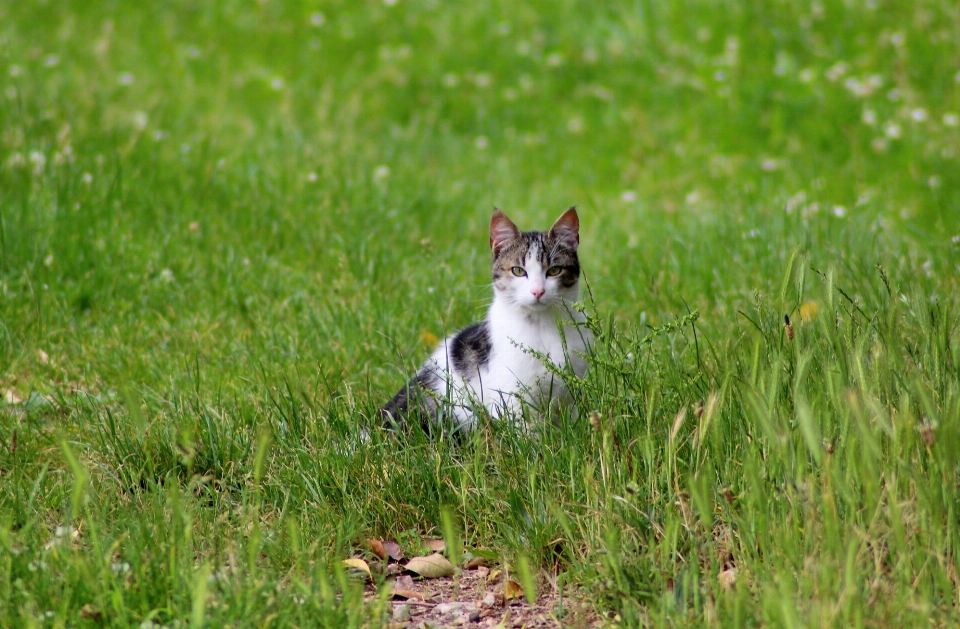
x=554, y=271
x=518, y=271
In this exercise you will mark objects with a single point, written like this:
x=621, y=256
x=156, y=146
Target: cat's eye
x=554, y=271
x=519, y=271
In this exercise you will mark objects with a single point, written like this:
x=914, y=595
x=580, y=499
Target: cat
x=491, y=364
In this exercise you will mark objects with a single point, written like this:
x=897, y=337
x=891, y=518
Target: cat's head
x=536, y=270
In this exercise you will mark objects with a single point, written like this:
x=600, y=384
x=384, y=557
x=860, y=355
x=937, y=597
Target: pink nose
x=537, y=292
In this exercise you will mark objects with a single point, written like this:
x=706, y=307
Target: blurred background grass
x=205, y=207
x=207, y=161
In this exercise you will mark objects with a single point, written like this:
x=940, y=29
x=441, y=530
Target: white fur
x=512, y=377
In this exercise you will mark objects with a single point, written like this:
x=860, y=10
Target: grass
x=227, y=229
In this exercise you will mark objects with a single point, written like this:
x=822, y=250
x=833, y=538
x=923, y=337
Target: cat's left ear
x=567, y=228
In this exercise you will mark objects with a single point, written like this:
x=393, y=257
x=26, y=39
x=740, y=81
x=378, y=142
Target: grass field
x=229, y=230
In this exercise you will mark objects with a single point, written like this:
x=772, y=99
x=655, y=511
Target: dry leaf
x=90, y=612
x=11, y=398
x=432, y=566
x=436, y=545
x=408, y=594
x=376, y=547
x=393, y=550
x=44, y=358
x=493, y=576
x=512, y=590
x=727, y=578
x=359, y=565
x=403, y=581
x=476, y=562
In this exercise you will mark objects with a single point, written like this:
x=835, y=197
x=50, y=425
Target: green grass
x=225, y=228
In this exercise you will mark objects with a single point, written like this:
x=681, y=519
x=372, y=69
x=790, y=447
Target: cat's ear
x=502, y=230
x=567, y=228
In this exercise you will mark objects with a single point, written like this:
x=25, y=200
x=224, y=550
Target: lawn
x=230, y=230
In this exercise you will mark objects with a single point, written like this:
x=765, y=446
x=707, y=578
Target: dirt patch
x=483, y=598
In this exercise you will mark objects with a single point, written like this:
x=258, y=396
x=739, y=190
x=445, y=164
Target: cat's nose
x=538, y=292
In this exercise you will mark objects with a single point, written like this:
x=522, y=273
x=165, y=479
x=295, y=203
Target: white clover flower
x=950, y=120
x=892, y=130
x=869, y=117
x=836, y=71
x=481, y=142
x=628, y=196
x=318, y=19
x=381, y=174
x=125, y=78
x=38, y=160
x=919, y=114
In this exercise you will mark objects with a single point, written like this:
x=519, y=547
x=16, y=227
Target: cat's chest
x=518, y=348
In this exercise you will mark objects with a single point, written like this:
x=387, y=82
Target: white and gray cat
x=493, y=364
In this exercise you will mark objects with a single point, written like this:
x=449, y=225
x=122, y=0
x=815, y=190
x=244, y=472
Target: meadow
x=230, y=230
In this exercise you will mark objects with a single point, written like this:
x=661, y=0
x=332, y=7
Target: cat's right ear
x=502, y=230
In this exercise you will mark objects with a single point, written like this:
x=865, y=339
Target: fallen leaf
x=359, y=565
x=393, y=550
x=432, y=566
x=808, y=311
x=493, y=576
x=11, y=398
x=512, y=590
x=44, y=358
x=376, y=547
x=403, y=581
x=429, y=339
x=476, y=562
x=727, y=578
x=91, y=612
x=408, y=594
x=436, y=545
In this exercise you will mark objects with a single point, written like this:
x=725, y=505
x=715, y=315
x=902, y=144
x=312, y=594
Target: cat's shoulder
x=471, y=347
